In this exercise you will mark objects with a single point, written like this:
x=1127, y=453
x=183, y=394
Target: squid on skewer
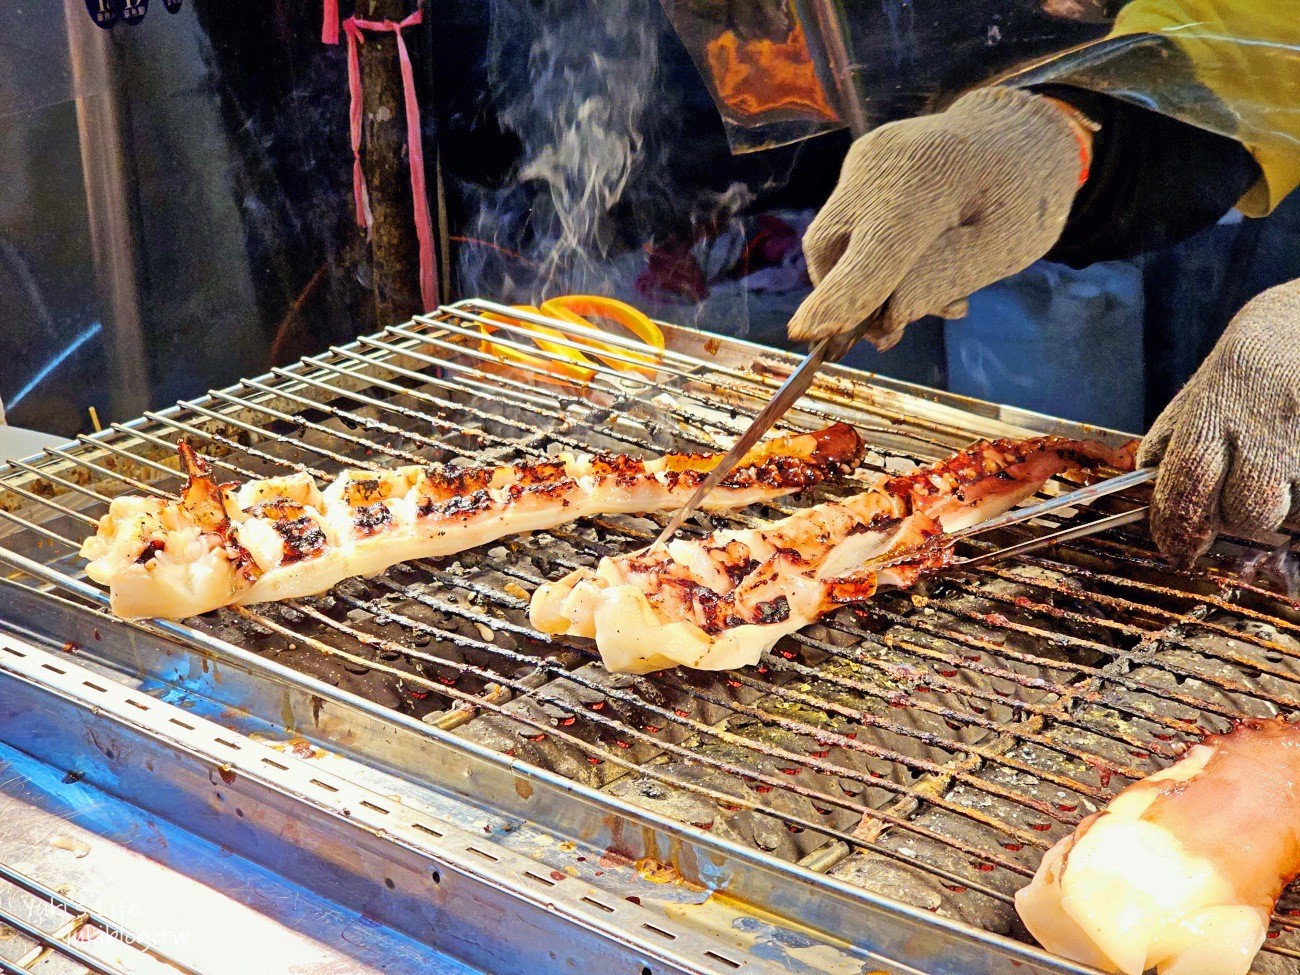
x=1181, y=871
x=718, y=602
x=283, y=537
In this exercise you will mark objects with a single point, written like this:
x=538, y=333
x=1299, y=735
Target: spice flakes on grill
x=718, y=602
x=284, y=537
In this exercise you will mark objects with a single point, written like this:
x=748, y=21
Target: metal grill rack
x=42, y=928
x=928, y=746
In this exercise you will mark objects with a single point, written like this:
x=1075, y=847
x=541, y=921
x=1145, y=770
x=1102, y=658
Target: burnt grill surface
x=929, y=746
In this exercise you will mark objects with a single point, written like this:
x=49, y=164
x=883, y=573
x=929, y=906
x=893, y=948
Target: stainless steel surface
x=870, y=795
x=380, y=854
x=611, y=858
x=17, y=442
x=105, y=167
x=91, y=883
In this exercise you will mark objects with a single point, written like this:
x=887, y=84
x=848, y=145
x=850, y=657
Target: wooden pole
x=384, y=160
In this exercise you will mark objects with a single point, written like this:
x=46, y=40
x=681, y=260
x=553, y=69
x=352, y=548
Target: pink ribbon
x=329, y=28
x=419, y=192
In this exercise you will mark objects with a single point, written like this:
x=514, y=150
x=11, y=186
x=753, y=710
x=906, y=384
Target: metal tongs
x=832, y=349
x=1082, y=496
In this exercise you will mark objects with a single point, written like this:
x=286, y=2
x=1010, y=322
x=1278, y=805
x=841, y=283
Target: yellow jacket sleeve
x=1247, y=54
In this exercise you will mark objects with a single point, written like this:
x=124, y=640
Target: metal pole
x=825, y=28
x=108, y=207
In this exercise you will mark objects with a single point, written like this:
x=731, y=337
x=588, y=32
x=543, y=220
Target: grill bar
x=1012, y=699
x=672, y=717
x=80, y=915
x=50, y=947
x=604, y=755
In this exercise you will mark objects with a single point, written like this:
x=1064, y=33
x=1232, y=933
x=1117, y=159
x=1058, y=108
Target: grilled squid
x=1181, y=871
x=719, y=602
x=283, y=537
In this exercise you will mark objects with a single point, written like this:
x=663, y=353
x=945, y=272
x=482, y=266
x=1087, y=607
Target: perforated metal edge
x=435, y=881
x=892, y=935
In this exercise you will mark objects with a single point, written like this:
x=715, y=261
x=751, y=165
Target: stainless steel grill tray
x=890, y=776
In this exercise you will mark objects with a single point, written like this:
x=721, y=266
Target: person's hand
x=1228, y=445
x=930, y=209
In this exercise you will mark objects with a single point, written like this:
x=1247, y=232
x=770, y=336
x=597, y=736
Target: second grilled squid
x=718, y=602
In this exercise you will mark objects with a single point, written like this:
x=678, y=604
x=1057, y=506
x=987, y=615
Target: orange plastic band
x=1083, y=129
x=567, y=363
x=581, y=309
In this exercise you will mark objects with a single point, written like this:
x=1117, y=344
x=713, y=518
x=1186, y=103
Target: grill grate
x=46, y=929
x=929, y=745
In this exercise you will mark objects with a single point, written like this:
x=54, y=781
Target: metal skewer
x=797, y=383
x=1064, y=535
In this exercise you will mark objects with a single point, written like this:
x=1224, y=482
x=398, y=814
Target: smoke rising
x=579, y=83
x=574, y=82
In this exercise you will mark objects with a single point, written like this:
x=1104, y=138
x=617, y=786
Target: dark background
x=235, y=185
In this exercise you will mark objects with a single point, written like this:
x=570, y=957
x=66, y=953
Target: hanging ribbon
x=329, y=28
x=353, y=28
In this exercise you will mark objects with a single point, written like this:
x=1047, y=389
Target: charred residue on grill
x=571, y=726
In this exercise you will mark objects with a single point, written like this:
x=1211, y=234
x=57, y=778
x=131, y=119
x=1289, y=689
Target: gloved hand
x=1228, y=445
x=930, y=209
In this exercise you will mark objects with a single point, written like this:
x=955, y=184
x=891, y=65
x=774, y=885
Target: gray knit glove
x=1228, y=445
x=930, y=209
